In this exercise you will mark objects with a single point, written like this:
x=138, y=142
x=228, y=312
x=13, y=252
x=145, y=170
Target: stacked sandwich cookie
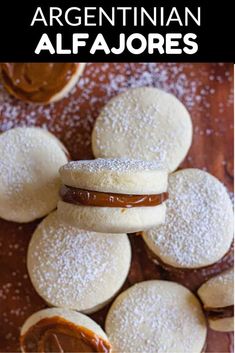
x=113, y=195
x=198, y=230
x=217, y=296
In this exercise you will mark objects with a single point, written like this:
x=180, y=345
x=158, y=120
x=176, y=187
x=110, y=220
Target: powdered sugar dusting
x=17, y=147
x=29, y=161
x=207, y=92
x=156, y=316
x=122, y=165
x=73, y=268
x=144, y=123
x=199, y=221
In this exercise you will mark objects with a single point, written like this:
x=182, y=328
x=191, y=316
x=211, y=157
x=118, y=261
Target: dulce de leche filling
x=59, y=335
x=224, y=263
x=101, y=199
x=36, y=82
x=220, y=313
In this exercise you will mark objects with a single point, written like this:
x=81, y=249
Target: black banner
x=72, y=30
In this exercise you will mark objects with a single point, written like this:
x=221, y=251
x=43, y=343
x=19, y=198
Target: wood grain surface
x=206, y=90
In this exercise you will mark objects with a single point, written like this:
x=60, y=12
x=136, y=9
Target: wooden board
x=206, y=90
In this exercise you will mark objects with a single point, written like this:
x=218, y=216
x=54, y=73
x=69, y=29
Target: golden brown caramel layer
x=36, y=82
x=55, y=334
x=220, y=313
x=223, y=264
x=101, y=199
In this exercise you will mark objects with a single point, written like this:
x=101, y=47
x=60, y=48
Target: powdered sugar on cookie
x=156, y=316
x=122, y=165
x=199, y=223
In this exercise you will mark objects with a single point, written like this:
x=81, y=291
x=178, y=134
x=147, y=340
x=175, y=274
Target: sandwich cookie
x=76, y=269
x=40, y=82
x=113, y=195
x=156, y=317
x=62, y=330
x=29, y=178
x=217, y=295
x=144, y=123
x=198, y=231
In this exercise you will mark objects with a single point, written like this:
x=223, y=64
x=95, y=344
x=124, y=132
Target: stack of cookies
x=80, y=255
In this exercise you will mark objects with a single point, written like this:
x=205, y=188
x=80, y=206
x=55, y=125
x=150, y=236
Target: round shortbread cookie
x=156, y=317
x=111, y=219
x=29, y=180
x=69, y=316
x=144, y=123
x=76, y=269
x=124, y=176
x=198, y=229
x=217, y=292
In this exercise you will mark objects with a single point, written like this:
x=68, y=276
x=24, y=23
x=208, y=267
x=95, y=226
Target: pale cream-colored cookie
x=40, y=83
x=74, y=268
x=121, y=176
x=217, y=295
x=156, y=317
x=113, y=195
x=217, y=292
x=143, y=123
x=222, y=325
x=198, y=230
x=112, y=220
x=63, y=330
x=29, y=179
